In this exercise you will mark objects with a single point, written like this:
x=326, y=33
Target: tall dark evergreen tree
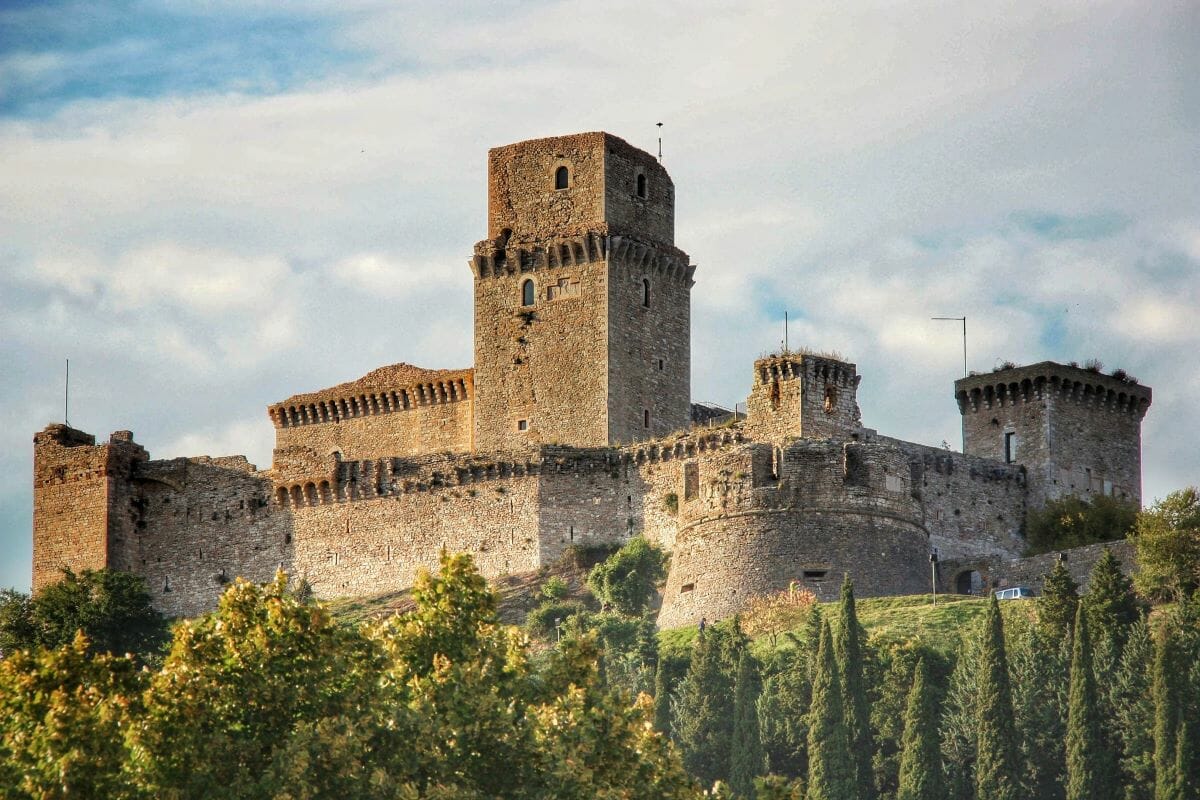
x=960, y=720
x=1110, y=603
x=746, y=758
x=1133, y=714
x=849, y=649
x=830, y=768
x=1088, y=775
x=703, y=724
x=783, y=713
x=1039, y=668
x=1187, y=765
x=1056, y=607
x=1167, y=705
x=996, y=765
x=921, y=776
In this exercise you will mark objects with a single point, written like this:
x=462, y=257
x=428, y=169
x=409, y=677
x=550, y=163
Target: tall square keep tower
x=582, y=300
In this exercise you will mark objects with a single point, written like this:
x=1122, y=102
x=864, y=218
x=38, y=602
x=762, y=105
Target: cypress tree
x=848, y=647
x=996, y=776
x=1087, y=767
x=704, y=718
x=960, y=720
x=830, y=769
x=1133, y=713
x=1110, y=603
x=746, y=758
x=1167, y=703
x=921, y=775
x=1187, y=768
x=1039, y=670
x=812, y=640
x=783, y=713
x=1056, y=607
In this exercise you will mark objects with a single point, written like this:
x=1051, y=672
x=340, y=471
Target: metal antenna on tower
x=67, y=395
x=785, y=332
x=659, y=142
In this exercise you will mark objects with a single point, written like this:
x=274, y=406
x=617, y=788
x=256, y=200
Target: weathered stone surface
x=573, y=428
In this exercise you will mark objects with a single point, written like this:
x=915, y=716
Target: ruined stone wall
x=803, y=395
x=764, y=518
x=77, y=499
x=972, y=506
x=1077, y=432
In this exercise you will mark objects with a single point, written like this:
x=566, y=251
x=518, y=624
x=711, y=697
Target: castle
x=575, y=427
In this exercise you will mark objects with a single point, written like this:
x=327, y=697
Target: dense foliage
x=269, y=698
x=1074, y=522
x=1167, y=537
x=627, y=579
x=111, y=608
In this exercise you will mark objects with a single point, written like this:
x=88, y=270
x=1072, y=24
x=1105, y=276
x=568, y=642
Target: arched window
x=560, y=178
x=527, y=293
x=646, y=292
x=641, y=186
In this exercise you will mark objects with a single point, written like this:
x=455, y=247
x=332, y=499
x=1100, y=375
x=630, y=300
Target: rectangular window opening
x=1010, y=447
x=522, y=424
x=815, y=574
x=687, y=587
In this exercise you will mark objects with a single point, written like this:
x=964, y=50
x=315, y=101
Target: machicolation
x=574, y=425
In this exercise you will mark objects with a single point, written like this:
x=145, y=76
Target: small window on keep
x=522, y=425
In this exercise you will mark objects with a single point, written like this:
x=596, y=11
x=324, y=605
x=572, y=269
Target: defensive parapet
x=1077, y=431
x=80, y=500
x=394, y=410
x=762, y=519
x=803, y=395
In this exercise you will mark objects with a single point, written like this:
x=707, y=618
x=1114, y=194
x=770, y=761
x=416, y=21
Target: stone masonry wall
x=545, y=365
x=76, y=485
x=803, y=395
x=972, y=506
x=1077, y=432
x=649, y=344
x=1031, y=572
x=763, y=521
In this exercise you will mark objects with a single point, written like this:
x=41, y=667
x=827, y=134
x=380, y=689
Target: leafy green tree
x=703, y=722
x=996, y=767
x=1109, y=601
x=1074, y=522
x=921, y=775
x=238, y=685
x=1039, y=667
x=848, y=647
x=1088, y=776
x=831, y=773
x=1056, y=607
x=670, y=671
x=62, y=714
x=628, y=578
x=1133, y=713
x=746, y=752
x=111, y=608
x=17, y=631
x=1167, y=539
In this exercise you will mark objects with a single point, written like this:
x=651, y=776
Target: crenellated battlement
x=304, y=479
x=804, y=394
x=496, y=258
x=1036, y=382
x=384, y=391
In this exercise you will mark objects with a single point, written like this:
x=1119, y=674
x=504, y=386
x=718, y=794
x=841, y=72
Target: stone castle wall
x=759, y=524
x=1077, y=432
x=972, y=506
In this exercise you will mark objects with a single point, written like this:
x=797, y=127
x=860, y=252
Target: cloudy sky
x=209, y=207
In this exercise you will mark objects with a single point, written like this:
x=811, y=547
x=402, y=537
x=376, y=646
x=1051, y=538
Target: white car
x=1015, y=593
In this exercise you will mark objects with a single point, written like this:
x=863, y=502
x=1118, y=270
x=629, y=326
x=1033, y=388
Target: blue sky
x=209, y=207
